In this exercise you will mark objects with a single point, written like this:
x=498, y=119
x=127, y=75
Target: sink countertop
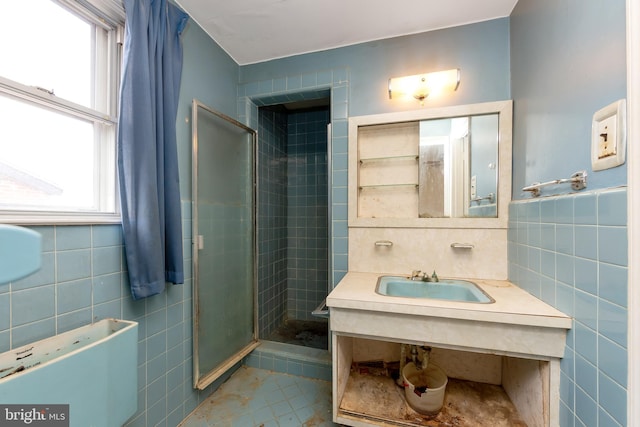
x=513, y=305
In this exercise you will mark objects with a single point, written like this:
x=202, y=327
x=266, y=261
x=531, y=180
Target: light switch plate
x=609, y=136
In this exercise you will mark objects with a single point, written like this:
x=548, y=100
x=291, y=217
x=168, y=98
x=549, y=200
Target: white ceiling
x=253, y=31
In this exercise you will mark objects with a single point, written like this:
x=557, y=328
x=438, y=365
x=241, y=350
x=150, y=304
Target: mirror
x=457, y=167
x=443, y=166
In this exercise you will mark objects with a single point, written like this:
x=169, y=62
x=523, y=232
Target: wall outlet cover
x=609, y=136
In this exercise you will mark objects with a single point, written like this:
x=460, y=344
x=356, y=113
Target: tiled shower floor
x=302, y=333
x=254, y=397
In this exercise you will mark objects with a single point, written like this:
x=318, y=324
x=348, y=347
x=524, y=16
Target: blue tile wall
x=281, y=89
x=297, y=87
x=292, y=212
x=307, y=212
x=83, y=279
x=272, y=221
x=582, y=271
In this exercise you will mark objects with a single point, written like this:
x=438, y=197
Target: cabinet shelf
x=379, y=159
x=372, y=186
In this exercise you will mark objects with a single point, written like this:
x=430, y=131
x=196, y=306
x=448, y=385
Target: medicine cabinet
x=438, y=167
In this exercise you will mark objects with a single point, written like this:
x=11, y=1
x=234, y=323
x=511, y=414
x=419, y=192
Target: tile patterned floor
x=261, y=398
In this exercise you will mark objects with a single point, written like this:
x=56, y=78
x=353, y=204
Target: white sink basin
x=445, y=289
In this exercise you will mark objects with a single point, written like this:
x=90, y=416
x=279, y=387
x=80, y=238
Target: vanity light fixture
x=420, y=86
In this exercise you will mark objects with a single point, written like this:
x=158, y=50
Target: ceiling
x=253, y=31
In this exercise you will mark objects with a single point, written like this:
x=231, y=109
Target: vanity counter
x=527, y=333
x=516, y=323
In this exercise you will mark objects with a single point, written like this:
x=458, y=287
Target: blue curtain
x=147, y=151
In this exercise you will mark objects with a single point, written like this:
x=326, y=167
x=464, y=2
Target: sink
x=445, y=289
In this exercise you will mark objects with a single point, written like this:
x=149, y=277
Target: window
x=58, y=110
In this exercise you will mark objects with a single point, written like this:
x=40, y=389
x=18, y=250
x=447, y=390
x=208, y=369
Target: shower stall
x=293, y=221
x=260, y=233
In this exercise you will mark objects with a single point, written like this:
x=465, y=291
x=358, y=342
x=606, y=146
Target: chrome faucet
x=427, y=278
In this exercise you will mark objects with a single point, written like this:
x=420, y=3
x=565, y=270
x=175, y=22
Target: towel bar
x=578, y=181
x=491, y=197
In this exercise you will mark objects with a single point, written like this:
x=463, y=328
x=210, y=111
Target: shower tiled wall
x=307, y=216
x=571, y=252
x=292, y=223
x=284, y=88
x=272, y=220
x=281, y=89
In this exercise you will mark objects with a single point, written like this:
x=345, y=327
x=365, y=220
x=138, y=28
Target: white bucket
x=424, y=389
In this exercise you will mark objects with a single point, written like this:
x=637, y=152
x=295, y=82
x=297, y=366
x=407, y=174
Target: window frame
x=108, y=17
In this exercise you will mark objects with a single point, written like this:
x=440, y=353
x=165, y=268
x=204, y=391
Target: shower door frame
x=201, y=382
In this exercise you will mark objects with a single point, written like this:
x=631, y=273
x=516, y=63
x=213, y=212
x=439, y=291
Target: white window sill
x=55, y=218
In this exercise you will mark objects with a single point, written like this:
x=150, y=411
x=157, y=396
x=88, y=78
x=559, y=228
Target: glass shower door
x=224, y=261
